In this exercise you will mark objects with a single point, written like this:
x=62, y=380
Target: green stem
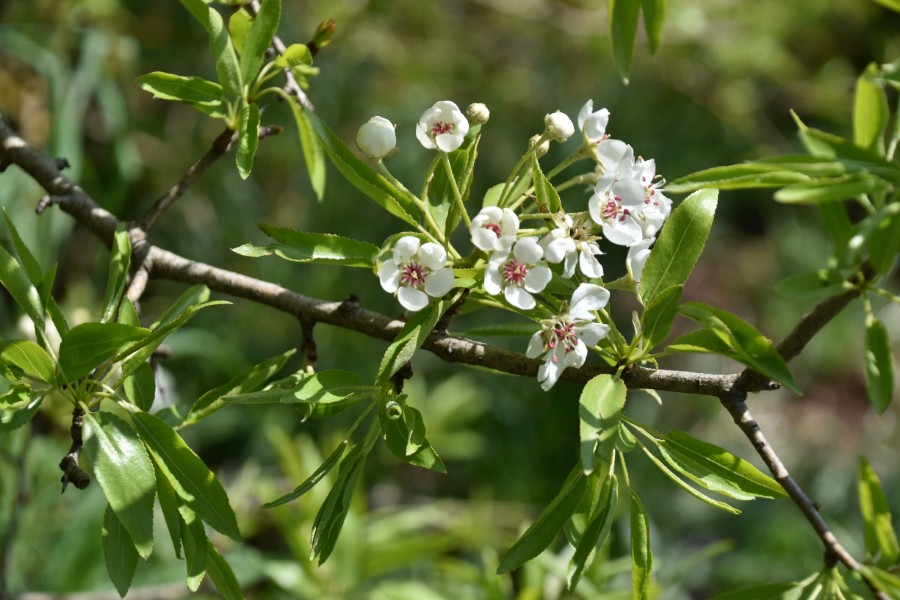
x=459, y=200
x=515, y=171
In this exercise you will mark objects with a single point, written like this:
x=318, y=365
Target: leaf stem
x=456, y=195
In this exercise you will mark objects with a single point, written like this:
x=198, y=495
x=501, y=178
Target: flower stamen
x=514, y=272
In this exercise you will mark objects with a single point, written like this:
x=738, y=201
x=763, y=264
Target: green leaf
x=89, y=345
x=654, y=16
x=894, y=5
x=750, y=346
x=501, y=329
x=405, y=438
x=814, y=286
x=888, y=582
x=227, y=67
x=248, y=139
x=837, y=222
x=736, y=177
x=702, y=341
x=26, y=258
x=221, y=574
x=298, y=246
x=15, y=279
x=168, y=503
x=438, y=190
x=542, y=532
x=17, y=407
x=718, y=470
x=195, y=91
x=881, y=540
x=199, y=9
x=330, y=518
x=767, y=591
x=125, y=474
x=195, y=548
x=623, y=22
x=657, y=318
x=140, y=387
x=311, y=481
x=862, y=234
x=119, y=263
x=879, y=365
x=546, y=194
x=119, y=552
x=833, y=189
x=870, y=111
x=247, y=381
x=410, y=339
x=684, y=485
x=594, y=534
x=264, y=27
x=679, y=245
x=238, y=25
x=313, y=154
x=192, y=480
x=31, y=359
x=641, y=556
x=600, y=408
x=884, y=242
x=294, y=55
x=361, y=175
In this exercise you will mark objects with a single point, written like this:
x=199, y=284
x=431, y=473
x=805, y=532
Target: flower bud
x=559, y=126
x=540, y=150
x=377, y=138
x=478, y=113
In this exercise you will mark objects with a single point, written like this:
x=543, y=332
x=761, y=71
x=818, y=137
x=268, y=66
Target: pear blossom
x=657, y=206
x=618, y=201
x=478, y=113
x=377, y=138
x=571, y=243
x=609, y=153
x=564, y=340
x=592, y=124
x=518, y=273
x=559, y=126
x=494, y=229
x=443, y=126
x=415, y=272
x=637, y=258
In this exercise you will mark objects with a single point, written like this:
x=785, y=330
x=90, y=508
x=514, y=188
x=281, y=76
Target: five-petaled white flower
x=494, y=229
x=443, y=126
x=592, y=123
x=564, y=340
x=572, y=242
x=518, y=274
x=618, y=201
x=559, y=126
x=415, y=272
x=657, y=206
x=377, y=138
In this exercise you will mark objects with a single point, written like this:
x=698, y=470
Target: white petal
x=484, y=239
x=528, y=251
x=389, y=276
x=535, y=345
x=630, y=193
x=558, y=247
x=538, y=278
x=519, y=297
x=439, y=283
x=637, y=258
x=588, y=297
x=492, y=280
x=509, y=223
x=576, y=357
x=592, y=333
x=610, y=153
x=594, y=207
x=584, y=113
x=569, y=265
x=448, y=142
x=405, y=249
x=412, y=299
x=432, y=256
x=548, y=373
x=588, y=262
x=488, y=214
x=623, y=233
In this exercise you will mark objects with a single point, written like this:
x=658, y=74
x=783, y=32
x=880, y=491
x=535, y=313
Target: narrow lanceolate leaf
x=832, y=189
x=26, y=258
x=673, y=476
x=879, y=365
x=195, y=548
x=169, y=504
x=313, y=479
x=199, y=9
x=238, y=26
x=119, y=263
x=870, y=112
x=221, y=574
x=119, y=552
x=89, y=345
x=331, y=516
x=542, y=532
x=227, y=67
x=302, y=247
x=140, y=387
x=259, y=37
x=737, y=177
x=881, y=540
x=192, y=480
x=719, y=470
x=623, y=22
x=31, y=359
x=595, y=533
x=654, y=16
x=884, y=243
x=750, y=346
x=313, y=154
x=248, y=139
x=600, y=408
x=410, y=339
x=15, y=279
x=362, y=176
x=17, y=407
x=657, y=318
x=679, y=245
x=641, y=556
x=192, y=90
x=123, y=469
x=767, y=591
x=546, y=194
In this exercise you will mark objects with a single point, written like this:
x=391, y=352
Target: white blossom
x=559, y=126
x=518, y=273
x=657, y=206
x=415, y=272
x=377, y=138
x=494, y=229
x=637, y=258
x=443, y=126
x=564, y=341
x=571, y=243
x=592, y=124
x=618, y=201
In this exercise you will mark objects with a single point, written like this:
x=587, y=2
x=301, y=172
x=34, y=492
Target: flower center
x=514, y=272
x=495, y=227
x=613, y=210
x=441, y=127
x=413, y=275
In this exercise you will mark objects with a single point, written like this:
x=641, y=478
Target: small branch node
x=399, y=378
x=62, y=163
x=308, y=345
x=48, y=201
x=72, y=473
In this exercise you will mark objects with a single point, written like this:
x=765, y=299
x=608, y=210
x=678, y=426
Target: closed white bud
x=540, y=150
x=377, y=138
x=478, y=113
x=559, y=126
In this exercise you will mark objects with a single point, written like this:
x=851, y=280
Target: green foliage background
x=718, y=92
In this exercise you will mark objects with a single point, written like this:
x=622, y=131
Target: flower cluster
x=626, y=207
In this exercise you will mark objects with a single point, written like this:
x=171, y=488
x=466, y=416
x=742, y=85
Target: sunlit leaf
x=657, y=318
x=119, y=264
x=410, y=339
x=870, y=111
x=89, y=345
x=881, y=540
x=311, y=146
x=546, y=194
x=140, y=387
x=302, y=247
x=191, y=90
x=30, y=358
x=248, y=139
x=118, y=551
x=222, y=575
x=224, y=56
x=879, y=365
x=259, y=37
x=595, y=533
x=623, y=22
x=654, y=16
x=333, y=512
x=833, y=189
x=641, y=556
x=195, y=544
x=600, y=408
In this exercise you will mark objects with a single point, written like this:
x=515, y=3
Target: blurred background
x=720, y=90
